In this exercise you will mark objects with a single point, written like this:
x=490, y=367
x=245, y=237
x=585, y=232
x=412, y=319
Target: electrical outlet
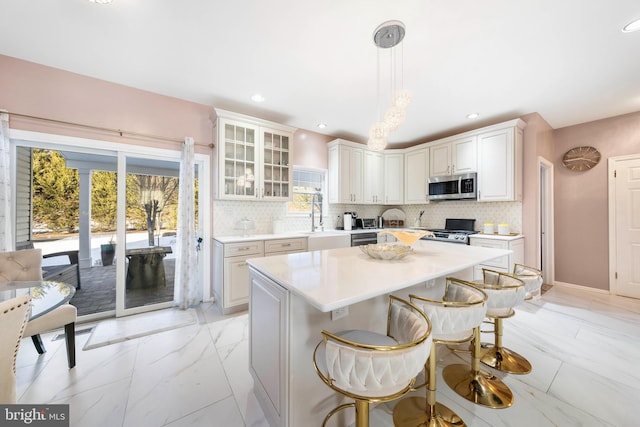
x=339, y=313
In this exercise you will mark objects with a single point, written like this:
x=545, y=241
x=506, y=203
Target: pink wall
x=310, y=149
x=42, y=91
x=581, y=199
x=537, y=142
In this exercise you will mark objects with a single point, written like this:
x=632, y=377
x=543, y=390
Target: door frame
x=613, y=238
x=85, y=145
x=546, y=238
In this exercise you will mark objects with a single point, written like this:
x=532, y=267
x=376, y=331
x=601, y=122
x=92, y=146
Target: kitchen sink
x=319, y=240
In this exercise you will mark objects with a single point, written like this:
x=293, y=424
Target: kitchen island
x=293, y=297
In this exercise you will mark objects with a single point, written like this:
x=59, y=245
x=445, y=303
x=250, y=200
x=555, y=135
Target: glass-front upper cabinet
x=276, y=170
x=253, y=157
x=239, y=154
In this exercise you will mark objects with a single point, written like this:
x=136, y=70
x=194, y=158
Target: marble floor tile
x=583, y=346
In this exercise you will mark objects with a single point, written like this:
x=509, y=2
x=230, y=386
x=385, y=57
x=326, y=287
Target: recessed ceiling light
x=101, y=1
x=322, y=125
x=257, y=98
x=632, y=26
x=473, y=115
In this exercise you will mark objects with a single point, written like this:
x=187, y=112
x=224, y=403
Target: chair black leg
x=70, y=339
x=37, y=342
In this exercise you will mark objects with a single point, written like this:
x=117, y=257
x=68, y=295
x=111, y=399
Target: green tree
x=104, y=186
x=157, y=193
x=55, y=192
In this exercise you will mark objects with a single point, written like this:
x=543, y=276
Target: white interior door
x=624, y=209
x=546, y=238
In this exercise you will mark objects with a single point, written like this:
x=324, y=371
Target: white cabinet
x=231, y=272
x=268, y=347
x=393, y=178
x=285, y=246
x=253, y=158
x=500, y=162
x=374, y=179
x=504, y=263
x=346, y=172
x=453, y=155
x=416, y=175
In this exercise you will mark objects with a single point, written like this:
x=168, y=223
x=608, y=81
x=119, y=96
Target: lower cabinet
x=268, y=347
x=231, y=272
x=504, y=263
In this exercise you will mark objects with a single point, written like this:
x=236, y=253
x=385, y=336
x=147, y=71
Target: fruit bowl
x=408, y=237
x=386, y=251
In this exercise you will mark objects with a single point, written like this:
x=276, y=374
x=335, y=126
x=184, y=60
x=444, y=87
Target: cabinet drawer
x=244, y=248
x=497, y=263
x=285, y=245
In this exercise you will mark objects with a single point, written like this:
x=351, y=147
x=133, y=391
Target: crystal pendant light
x=377, y=136
x=387, y=36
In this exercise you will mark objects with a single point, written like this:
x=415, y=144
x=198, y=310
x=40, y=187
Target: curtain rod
x=118, y=131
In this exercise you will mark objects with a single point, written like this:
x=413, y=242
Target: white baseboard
x=582, y=288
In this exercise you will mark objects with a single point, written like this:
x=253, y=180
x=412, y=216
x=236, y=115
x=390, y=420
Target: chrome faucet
x=316, y=200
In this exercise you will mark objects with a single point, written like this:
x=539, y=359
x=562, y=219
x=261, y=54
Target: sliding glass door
x=147, y=226
x=119, y=205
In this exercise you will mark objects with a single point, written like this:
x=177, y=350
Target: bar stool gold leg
x=502, y=358
x=475, y=385
x=416, y=411
x=362, y=413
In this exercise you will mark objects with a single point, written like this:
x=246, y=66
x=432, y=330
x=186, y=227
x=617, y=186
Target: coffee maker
x=350, y=220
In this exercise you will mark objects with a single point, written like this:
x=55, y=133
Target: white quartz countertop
x=497, y=236
x=335, y=278
x=291, y=235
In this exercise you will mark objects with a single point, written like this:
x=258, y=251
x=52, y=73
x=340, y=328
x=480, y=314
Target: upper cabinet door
x=416, y=173
x=373, y=177
x=500, y=164
x=346, y=172
x=440, y=160
x=238, y=155
x=464, y=155
x=393, y=178
x=455, y=156
x=277, y=173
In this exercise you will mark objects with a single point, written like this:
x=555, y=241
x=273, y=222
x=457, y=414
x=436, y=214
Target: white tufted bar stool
x=532, y=278
x=453, y=320
x=13, y=317
x=505, y=291
x=372, y=367
x=471, y=382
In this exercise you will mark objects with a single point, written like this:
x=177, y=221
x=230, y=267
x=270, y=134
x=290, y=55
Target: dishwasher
x=358, y=239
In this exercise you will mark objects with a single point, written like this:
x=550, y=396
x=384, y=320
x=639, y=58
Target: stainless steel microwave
x=453, y=187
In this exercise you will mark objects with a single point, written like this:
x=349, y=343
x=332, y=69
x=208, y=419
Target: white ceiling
x=315, y=61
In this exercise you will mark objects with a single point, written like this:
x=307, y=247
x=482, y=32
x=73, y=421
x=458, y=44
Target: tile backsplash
x=226, y=214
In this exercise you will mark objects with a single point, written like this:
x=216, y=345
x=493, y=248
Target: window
x=306, y=183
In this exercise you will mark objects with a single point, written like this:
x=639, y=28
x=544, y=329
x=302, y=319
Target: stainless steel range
x=455, y=231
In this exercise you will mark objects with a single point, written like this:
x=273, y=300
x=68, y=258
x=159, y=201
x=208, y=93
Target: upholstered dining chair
x=371, y=367
x=26, y=266
x=13, y=317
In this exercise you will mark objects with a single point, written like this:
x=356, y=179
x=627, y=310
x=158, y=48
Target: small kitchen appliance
x=453, y=187
x=369, y=223
x=455, y=231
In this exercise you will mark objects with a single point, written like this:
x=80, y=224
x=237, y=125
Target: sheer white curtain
x=6, y=239
x=187, y=289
